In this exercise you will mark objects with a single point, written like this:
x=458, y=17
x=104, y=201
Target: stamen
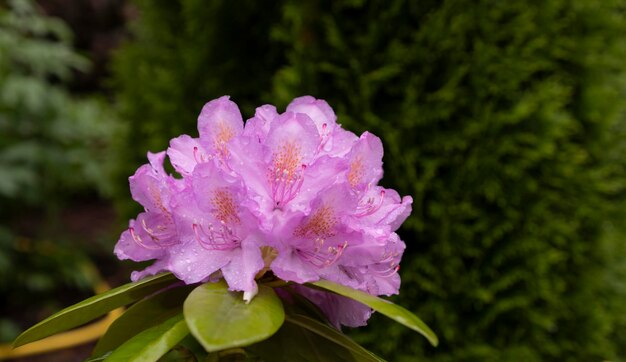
x=140, y=242
x=285, y=175
x=388, y=257
x=165, y=229
x=200, y=157
x=221, y=239
x=386, y=271
x=369, y=207
x=320, y=226
x=320, y=257
x=164, y=232
x=324, y=135
x=387, y=265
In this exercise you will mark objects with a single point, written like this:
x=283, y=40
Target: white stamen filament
x=164, y=232
x=198, y=156
x=285, y=185
x=370, y=206
x=222, y=239
x=324, y=137
x=322, y=258
x=140, y=242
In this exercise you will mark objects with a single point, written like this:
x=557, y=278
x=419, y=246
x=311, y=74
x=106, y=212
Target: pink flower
x=295, y=183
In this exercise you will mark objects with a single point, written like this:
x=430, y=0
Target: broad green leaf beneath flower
x=142, y=315
x=391, y=310
x=152, y=343
x=94, y=307
x=220, y=319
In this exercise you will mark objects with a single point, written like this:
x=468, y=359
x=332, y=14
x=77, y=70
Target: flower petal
x=128, y=248
x=189, y=260
x=216, y=190
x=258, y=126
x=324, y=172
x=289, y=266
x=338, y=309
x=383, y=208
x=157, y=267
x=156, y=161
x=185, y=153
x=219, y=121
x=297, y=130
x=245, y=263
x=339, y=142
x=149, y=185
x=318, y=110
x=253, y=170
x=366, y=162
x=192, y=263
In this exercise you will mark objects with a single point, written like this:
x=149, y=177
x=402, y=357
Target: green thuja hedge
x=497, y=118
x=503, y=120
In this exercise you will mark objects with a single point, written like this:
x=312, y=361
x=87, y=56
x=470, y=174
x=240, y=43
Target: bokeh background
x=505, y=121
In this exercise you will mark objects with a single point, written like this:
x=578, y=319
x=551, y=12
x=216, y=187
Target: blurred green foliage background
x=53, y=148
x=506, y=122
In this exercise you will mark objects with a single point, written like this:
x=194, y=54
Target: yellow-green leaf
x=152, y=343
x=94, y=307
x=142, y=315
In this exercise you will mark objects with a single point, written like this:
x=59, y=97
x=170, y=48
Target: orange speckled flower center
x=225, y=209
x=321, y=224
x=287, y=161
x=222, y=136
x=356, y=171
x=285, y=173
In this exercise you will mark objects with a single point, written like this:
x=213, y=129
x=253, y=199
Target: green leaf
x=220, y=319
x=152, y=343
x=391, y=310
x=295, y=343
x=142, y=315
x=333, y=335
x=93, y=307
x=307, y=315
x=301, y=305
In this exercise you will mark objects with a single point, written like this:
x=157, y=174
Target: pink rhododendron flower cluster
x=290, y=193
